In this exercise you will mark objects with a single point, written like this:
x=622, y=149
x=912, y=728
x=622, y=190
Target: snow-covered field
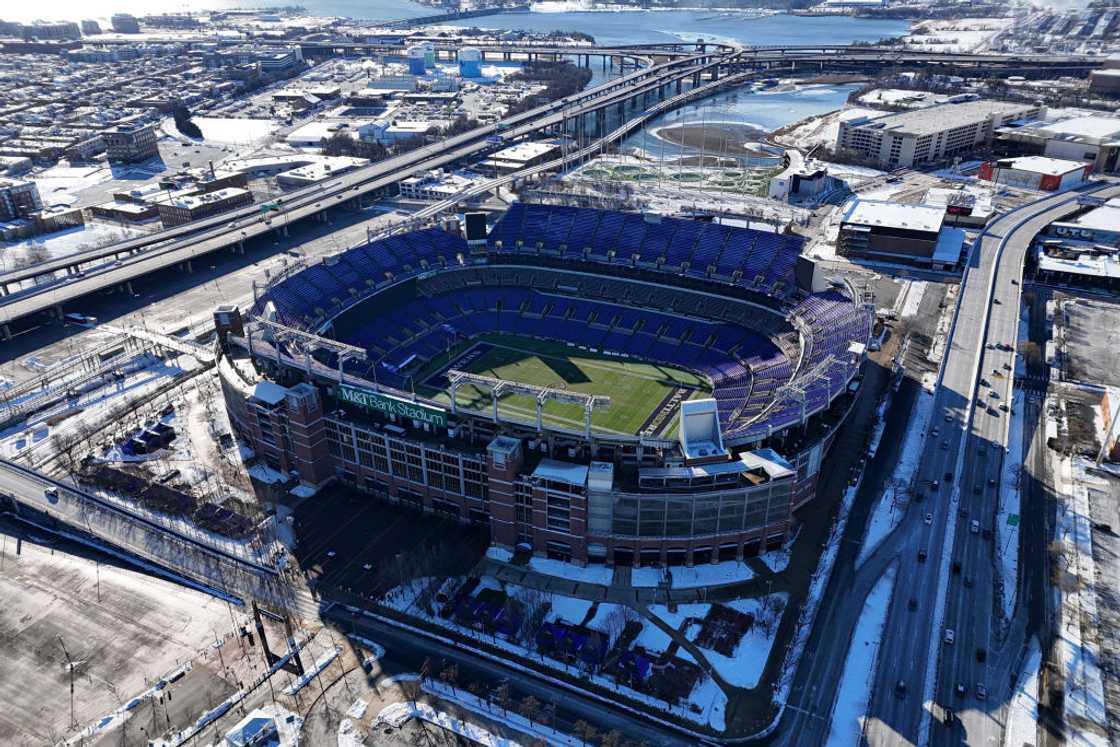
x=62, y=243
x=706, y=704
x=958, y=35
x=707, y=574
x=59, y=185
x=591, y=574
x=824, y=129
x=233, y=131
x=744, y=667
x=854, y=691
x=1022, y=714
x=1007, y=535
x=897, y=493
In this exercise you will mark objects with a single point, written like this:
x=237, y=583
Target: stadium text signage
x=393, y=405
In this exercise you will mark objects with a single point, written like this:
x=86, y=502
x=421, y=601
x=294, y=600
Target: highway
x=357, y=181
x=963, y=451
x=240, y=225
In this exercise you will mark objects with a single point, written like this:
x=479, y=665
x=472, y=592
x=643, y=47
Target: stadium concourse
x=591, y=385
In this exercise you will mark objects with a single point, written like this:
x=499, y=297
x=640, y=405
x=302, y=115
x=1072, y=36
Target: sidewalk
x=621, y=591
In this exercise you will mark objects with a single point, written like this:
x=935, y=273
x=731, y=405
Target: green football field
x=636, y=389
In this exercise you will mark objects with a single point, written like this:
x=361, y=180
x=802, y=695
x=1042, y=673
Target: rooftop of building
x=894, y=215
x=941, y=117
x=1103, y=218
x=192, y=201
x=1103, y=127
x=1041, y=165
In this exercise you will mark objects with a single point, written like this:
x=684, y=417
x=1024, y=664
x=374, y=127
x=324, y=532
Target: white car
x=929, y=518
x=974, y=526
x=950, y=635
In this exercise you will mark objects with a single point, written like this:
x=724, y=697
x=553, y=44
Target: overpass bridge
x=119, y=264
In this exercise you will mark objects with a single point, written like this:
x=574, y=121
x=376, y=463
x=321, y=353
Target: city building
x=90, y=27
x=803, y=182
x=131, y=142
x=1094, y=139
x=52, y=30
x=1036, y=172
x=925, y=135
x=470, y=62
x=18, y=199
x=125, y=23
x=901, y=234
x=520, y=156
x=437, y=185
x=318, y=170
x=187, y=208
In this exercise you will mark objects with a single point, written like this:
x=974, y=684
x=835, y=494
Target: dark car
x=968, y=582
x=956, y=566
x=900, y=689
x=922, y=556
x=961, y=689
x=987, y=534
x=912, y=604
x=981, y=655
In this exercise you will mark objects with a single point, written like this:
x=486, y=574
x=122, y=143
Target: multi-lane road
x=958, y=481
x=120, y=263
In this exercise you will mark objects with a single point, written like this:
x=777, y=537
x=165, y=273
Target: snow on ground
x=854, y=691
x=1007, y=536
x=891, y=505
x=1022, y=714
x=349, y=735
x=910, y=299
x=744, y=667
x=492, y=712
x=591, y=574
x=708, y=699
x=498, y=553
x=777, y=560
x=62, y=244
x=1078, y=644
x=820, y=577
x=568, y=609
x=59, y=185
x=233, y=131
x=321, y=663
x=824, y=129
x=958, y=35
x=707, y=574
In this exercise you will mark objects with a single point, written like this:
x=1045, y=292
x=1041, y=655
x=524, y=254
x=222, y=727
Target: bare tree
x=585, y=731
x=529, y=708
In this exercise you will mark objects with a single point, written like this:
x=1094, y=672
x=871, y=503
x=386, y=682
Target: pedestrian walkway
x=622, y=591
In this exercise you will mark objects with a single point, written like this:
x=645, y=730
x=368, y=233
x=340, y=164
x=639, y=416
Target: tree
x=612, y=738
x=182, y=116
x=528, y=708
x=450, y=675
x=501, y=696
x=411, y=690
x=585, y=731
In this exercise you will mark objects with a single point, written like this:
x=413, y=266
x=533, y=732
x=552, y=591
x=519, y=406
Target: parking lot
x=358, y=544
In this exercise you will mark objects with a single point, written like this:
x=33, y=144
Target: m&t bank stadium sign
x=402, y=408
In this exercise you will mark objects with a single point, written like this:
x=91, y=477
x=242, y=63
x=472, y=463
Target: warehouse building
x=130, y=142
x=188, y=208
x=900, y=234
x=1094, y=139
x=926, y=135
x=1036, y=172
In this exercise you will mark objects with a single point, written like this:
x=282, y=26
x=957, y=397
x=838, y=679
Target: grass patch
x=635, y=388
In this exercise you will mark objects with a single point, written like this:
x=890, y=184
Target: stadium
x=593, y=386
